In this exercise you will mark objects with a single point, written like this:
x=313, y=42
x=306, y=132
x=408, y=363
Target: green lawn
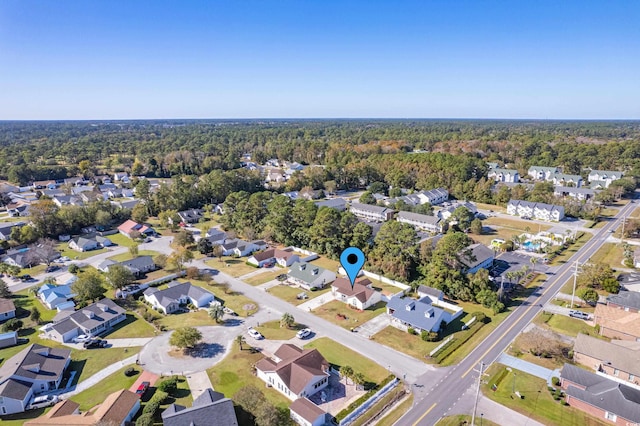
x=517, y=224
x=265, y=277
x=289, y=293
x=64, y=250
x=272, y=330
x=191, y=319
x=236, y=371
x=610, y=254
x=327, y=263
x=127, y=256
x=573, y=248
x=495, y=232
x=154, y=275
x=398, y=411
x=341, y=356
x=493, y=207
x=91, y=361
x=96, y=394
x=537, y=404
x=402, y=341
x=133, y=326
x=354, y=318
x=380, y=286
x=182, y=397
x=34, y=270
x=121, y=240
x=232, y=266
x=564, y=325
x=19, y=419
x=463, y=420
x=233, y=299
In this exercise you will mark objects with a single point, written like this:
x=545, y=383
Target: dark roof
x=210, y=408
x=417, y=217
x=15, y=389
x=6, y=305
x=95, y=314
x=139, y=263
x=176, y=291
x=264, y=255
x=475, y=254
x=629, y=299
x=418, y=313
x=600, y=392
x=371, y=208
x=360, y=289
x=423, y=289
x=616, y=356
x=36, y=362
x=332, y=203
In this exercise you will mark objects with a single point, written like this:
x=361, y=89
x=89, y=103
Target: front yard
x=271, y=330
x=341, y=314
x=610, y=254
x=232, y=299
x=236, y=267
x=537, y=404
x=404, y=342
x=564, y=325
x=265, y=277
x=121, y=240
x=89, y=398
x=191, y=319
x=289, y=293
x=64, y=250
x=133, y=326
x=127, y=256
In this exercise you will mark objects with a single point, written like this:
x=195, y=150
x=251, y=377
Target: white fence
x=437, y=348
x=369, y=402
x=166, y=278
x=311, y=255
x=385, y=280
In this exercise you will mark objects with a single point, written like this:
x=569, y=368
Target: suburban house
x=476, y=257
x=67, y=200
x=370, y=212
x=617, y=323
x=240, y=248
x=216, y=236
x=306, y=413
x=104, y=265
x=34, y=370
x=92, y=320
x=53, y=295
x=504, y=175
x=339, y=204
x=542, y=173
x=45, y=184
x=600, y=397
x=7, y=309
x=8, y=339
x=7, y=227
x=117, y=409
x=541, y=211
x=626, y=300
x=206, y=407
x=432, y=293
x=418, y=314
x=562, y=179
x=139, y=265
x=604, y=177
x=447, y=212
x=170, y=299
x=308, y=275
x=190, y=216
x=421, y=221
x=619, y=362
x=275, y=175
x=121, y=177
x=75, y=181
x=581, y=194
x=89, y=243
x=433, y=196
x=360, y=296
x=283, y=257
x=21, y=259
x=130, y=228
x=294, y=372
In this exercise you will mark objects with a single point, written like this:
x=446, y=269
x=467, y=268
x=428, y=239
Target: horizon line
x=316, y=118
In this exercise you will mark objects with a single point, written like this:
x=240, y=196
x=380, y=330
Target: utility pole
x=575, y=279
x=475, y=404
x=624, y=220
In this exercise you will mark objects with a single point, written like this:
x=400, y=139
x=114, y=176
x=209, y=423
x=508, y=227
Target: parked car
x=65, y=258
x=255, y=334
x=42, y=401
x=268, y=265
x=304, y=333
x=579, y=314
x=229, y=311
x=52, y=268
x=142, y=389
x=81, y=338
x=25, y=277
x=95, y=343
x=281, y=277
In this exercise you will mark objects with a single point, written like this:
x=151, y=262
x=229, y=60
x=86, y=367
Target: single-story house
x=53, y=295
x=117, y=409
x=600, y=397
x=83, y=244
x=418, y=314
x=308, y=275
x=92, y=320
x=306, y=413
x=129, y=227
x=240, y=248
x=617, y=323
x=8, y=339
x=294, y=372
x=619, y=362
x=262, y=258
x=34, y=370
x=121, y=177
x=170, y=299
x=283, y=257
x=432, y=293
x=139, y=265
x=360, y=296
x=209, y=405
x=190, y=216
x=476, y=257
x=625, y=300
x=7, y=227
x=216, y=236
x=7, y=309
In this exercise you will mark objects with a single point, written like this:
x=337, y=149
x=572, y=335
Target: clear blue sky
x=319, y=58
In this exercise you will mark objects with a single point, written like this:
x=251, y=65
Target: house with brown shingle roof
x=117, y=409
x=7, y=309
x=360, y=296
x=617, y=323
x=619, y=362
x=306, y=413
x=294, y=372
x=283, y=257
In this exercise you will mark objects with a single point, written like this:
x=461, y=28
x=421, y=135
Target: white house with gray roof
x=419, y=314
x=604, y=177
x=504, y=175
x=561, y=179
x=581, y=194
x=542, y=173
x=433, y=196
x=476, y=257
x=208, y=406
x=170, y=299
x=308, y=275
x=370, y=212
x=421, y=221
x=540, y=211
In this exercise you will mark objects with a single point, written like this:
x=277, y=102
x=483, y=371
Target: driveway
x=198, y=383
x=316, y=302
x=373, y=326
x=528, y=367
x=160, y=244
x=145, y=376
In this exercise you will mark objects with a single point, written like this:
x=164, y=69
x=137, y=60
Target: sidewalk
x=316, y=302
x=528, y=367
x=269, y=284
x=96, y=378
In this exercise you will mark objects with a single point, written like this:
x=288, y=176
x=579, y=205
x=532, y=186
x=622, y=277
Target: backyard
x=290, y=293
x=343, y=315
x=326, y=263
x=190, y=319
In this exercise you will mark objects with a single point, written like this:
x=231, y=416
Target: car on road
x=52, y=268
x=25, y=277
x=42, y=401
x=142, y=389
x=579, y=314
x=255, y=334
x=81, y=338
x=304, y=333
x=94, y=344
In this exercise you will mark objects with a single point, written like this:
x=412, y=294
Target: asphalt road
x=435, y=401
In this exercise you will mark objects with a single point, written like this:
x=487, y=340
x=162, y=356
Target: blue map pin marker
x=352, y=260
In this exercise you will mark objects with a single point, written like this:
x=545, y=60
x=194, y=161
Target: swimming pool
x=531, y=246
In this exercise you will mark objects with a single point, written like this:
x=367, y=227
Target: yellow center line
x=425, y=414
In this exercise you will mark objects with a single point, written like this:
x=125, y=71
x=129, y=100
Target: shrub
x=145, y=420
x=458, y=341
x=154, y=403
x=429, y=336
x=555, y=380
x=358, y=402
x=73, y=268
x=169, y=386
x=193, y=273
x=12, y=325
x=130, y=372
x=411, y=330
x=480, y=317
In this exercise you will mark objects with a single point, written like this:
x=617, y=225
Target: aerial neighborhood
x=132, y=293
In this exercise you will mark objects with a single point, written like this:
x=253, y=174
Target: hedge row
x=455, y=343
x=358, y=402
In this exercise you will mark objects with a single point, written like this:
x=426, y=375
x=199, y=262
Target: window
x=610, y=416
x=631, y=377
x=616, y=372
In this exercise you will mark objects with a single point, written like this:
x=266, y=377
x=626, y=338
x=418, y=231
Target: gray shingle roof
x=50, y=363
x=174, y=292
x=618, y=357
x=475, y=254
x=306, y=272
x=95, y=314
x=15, y=389
x=625, y=298
x=333, y=203
x=417, y=217
x=210, y=408
x=418, y=313
x=140, y=263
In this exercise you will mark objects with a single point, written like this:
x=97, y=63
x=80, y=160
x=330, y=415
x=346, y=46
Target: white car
x=81, y=338
x=43, y=401
x=304, y=333
x=255, y=334
x=64, y=259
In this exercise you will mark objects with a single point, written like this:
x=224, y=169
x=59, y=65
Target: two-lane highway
x=444, y=394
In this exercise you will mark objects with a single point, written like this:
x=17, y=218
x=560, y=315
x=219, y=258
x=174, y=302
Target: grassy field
x=462, y=420
x=491, y=232
x=566, y=254
x=133, y=326
x=235, y=371
x=289, y=293
x=537, y=404
x=233, y=299
x=91, y=361
x=341, y=356
x=493, y=207
x=96, y=394
x=232, y=266
x=33, y=270
x=516, y=224
x=154, y=275
x=327, y=263
x=610, y=254
x=191, y=319
x=380, y=286
x=265, y=277
x=354, y=318
x=121, y=240
x=64, y=250
x=127, y=256
x=272, y=330
x=398, y=411
x=404, y=342
x=564, y=325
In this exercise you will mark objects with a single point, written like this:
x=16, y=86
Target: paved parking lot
x=514, y=261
